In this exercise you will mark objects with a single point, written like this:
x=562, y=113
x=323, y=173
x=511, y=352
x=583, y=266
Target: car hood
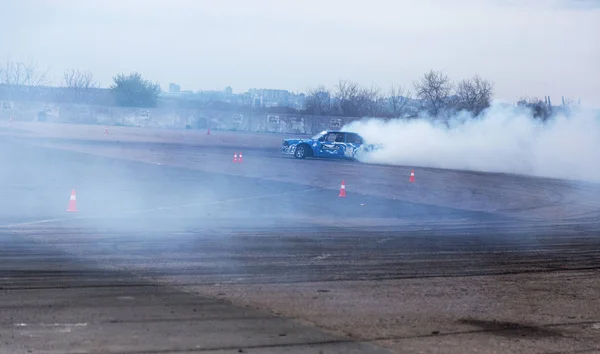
x=297, y=141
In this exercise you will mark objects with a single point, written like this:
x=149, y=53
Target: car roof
x=339, y=131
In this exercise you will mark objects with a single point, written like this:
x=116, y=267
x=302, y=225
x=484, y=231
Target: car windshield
x=316, y=137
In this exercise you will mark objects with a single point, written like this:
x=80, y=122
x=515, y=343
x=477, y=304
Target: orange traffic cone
x=72, y=202
x=208, y=131
x=105, y=130
x=342, y=190
x=412, y=176
x=240, y=160
x=235, y=158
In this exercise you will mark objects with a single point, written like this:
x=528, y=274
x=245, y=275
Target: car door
x=340, y=145
x=353, y=143
x=332, y=145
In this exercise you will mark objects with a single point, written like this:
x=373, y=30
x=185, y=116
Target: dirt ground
x=524, y=313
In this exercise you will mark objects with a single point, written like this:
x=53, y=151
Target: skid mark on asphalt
x=172, y=207
x=27, y=223
x=322, y=257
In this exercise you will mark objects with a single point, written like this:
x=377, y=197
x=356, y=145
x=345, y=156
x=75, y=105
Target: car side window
x=331, y=137
x=339, y=138
x=354, y=139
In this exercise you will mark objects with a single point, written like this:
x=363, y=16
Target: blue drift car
x=326, y=144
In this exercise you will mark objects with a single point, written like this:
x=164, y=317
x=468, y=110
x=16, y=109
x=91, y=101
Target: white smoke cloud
x=506, y=139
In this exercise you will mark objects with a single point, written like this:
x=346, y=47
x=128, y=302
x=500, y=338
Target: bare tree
x=568, y=101
x=369, y=102
x=350, y=100
x=77, y=79
x=398, y=100
x=79, y=85
x=539, y=108
x=434, y=90
x=474, y=95
x=22, y=73
x=347, y=94
x=318, y=101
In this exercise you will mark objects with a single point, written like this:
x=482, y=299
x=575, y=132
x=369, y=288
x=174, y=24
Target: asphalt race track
x=122, y=274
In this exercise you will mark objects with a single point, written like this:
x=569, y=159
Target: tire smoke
x=505, y=139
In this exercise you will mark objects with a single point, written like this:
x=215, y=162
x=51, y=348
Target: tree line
x=130, y=90
x=433, y=93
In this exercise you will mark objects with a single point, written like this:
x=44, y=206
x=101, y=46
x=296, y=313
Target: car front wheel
x=300, y=152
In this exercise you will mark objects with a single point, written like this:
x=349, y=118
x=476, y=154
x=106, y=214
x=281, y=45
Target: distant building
x=174, y=88
x=253, y=97
x=270, y=97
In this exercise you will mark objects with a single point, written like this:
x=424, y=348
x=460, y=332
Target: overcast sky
x=527, y=47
